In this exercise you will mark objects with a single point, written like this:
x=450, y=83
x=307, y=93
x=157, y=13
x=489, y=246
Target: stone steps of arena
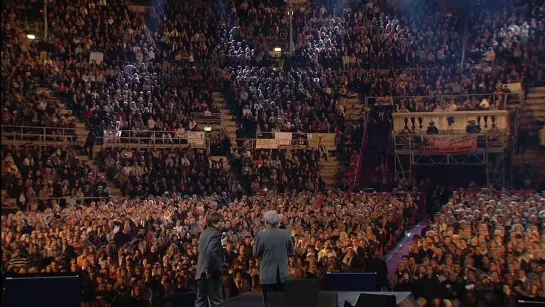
x=354, y=109
x=535, y=95
x=229, y=123
x=537, y=89
x=532, y=113
x=329, y=171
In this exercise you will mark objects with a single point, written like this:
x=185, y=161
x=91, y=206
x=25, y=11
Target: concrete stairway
x=354, y=109
x=329, y=170
x=531, y=119
x=532, y=114
x=229, y=122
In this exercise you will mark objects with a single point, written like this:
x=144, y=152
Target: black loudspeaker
x=58, y=291
x=303, y=292
x=376, y=300
x=185, y=299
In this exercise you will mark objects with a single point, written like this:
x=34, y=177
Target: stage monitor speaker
x=185, y=299
x=376, y=300
x=536, y=303
x=302, y=292
x=58, y=291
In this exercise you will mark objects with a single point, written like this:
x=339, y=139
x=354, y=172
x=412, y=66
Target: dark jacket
x=210, y=253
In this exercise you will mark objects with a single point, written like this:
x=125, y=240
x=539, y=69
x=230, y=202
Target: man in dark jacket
x=377, y=265
x=209, y=265
x=430, y=289
x=90, y=143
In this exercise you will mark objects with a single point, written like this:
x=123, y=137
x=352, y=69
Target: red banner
x=449, y=143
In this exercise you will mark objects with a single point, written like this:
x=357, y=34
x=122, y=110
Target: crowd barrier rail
x=290, y=140
x=192, y=139
x=32, y=134
x=208, y=119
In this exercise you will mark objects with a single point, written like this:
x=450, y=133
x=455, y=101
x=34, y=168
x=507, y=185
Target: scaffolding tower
x=491, y=152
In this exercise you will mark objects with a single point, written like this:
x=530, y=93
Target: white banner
x=110, y=136
x=196, y=138
x=283, y=138
x=98, y=57
x=266, y=143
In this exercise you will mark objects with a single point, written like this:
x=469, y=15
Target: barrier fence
x=38, y=134
x=208, y=118
x=195, y=139
x=289, y=140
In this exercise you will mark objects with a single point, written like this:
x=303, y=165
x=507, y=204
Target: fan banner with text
x=448, y=143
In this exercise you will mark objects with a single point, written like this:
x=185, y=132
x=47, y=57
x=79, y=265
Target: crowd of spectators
x=510, y=31
x=482, y=248
x=139, y=173
x=132, y=252
x=279, y=170
x=190, y=32
x=294, y=99
x=38, y=177
x=131, y=85
x=374, y=35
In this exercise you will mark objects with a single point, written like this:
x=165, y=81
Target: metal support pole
x=45, y=21
x=292, y=46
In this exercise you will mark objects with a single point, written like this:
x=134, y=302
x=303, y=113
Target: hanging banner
x=195, y=138
x=449, y=143
x=266, y=143
x=283, y=138
x=326, y=139
x=97, y=57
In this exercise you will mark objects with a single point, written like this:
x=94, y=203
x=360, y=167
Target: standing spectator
x=90, y=143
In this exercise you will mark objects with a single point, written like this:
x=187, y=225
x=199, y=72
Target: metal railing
x=153, y=137
x=208, y=118
x=253, y=144
x=485, y=141
x=38, y=134
x=433, y=99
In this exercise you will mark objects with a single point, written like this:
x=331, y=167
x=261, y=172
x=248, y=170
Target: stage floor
x=326, y=299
